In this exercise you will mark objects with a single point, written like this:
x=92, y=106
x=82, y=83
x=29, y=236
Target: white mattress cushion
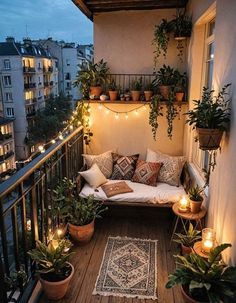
x=162, y=193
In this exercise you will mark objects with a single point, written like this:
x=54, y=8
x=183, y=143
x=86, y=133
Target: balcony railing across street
x=25, y=198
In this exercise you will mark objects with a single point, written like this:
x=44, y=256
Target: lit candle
x=208, y=239
x=183, y=204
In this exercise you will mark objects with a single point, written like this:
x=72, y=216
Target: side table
x=186, y=217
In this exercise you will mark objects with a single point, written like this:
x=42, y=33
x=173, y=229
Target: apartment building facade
x=29, y=75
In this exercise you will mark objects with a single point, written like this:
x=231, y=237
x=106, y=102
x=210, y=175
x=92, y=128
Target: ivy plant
x=154, y=113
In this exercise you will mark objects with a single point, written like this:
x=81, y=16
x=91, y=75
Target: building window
x=7, y=80
x=8, y=97
x=68, y=62
x=200, y=157
x=67, y=76
x=9, y=112
x=7, y=64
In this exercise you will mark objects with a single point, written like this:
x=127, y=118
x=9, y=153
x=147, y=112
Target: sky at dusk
x=59, y=19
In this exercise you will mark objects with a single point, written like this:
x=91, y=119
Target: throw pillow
x=104, y=162
x=146, y=172
x=116, y=189
x=123, y=166
x=94, y=176
x=171, y=169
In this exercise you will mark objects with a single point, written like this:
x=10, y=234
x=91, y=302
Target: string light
x=53, y=141
x=71, y=127
x=107, y=111
x=100, y=106
x=40, y=148
x=117, y=116
x=126, y=116
x=60, y=136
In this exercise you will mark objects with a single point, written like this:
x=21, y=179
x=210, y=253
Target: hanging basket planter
x=209, y=139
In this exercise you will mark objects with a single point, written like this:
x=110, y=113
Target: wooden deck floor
x=87, y=259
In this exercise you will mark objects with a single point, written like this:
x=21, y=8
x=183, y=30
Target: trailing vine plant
x=154, y=113
x=161, y=39
x=171, y=113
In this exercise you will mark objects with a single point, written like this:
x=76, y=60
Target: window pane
x=209, y=74
x=211, y=28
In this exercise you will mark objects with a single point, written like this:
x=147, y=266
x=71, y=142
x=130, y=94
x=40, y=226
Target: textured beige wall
x=124, y=40
x=222, y=189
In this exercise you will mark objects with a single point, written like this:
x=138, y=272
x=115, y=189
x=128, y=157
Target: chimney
x=27, y=41
x=10, y=39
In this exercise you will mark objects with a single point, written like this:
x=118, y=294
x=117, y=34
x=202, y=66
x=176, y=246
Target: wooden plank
x=84, y=8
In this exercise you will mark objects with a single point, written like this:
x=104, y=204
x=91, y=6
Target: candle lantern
x=183, y=205
x=208, y=239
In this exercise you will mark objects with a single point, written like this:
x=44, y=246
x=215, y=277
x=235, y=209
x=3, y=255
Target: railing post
x=4, y=238
x=65, y=160
x=34, y=216
x=3, y=291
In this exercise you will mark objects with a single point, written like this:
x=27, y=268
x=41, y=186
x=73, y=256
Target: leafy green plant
x=84, y=211
x=149, y=87
x=180, y=81
x=95, y=74
x=189, y=237
x=166, y=75
x=205, y=280
x=161, y=39
x=15, y=280
x=137, y=84
x=112, y=85
x=171, y=113
x=52, y=263
x=181, y=25
x=195, y=193
x=154, y=113
x=211, y=111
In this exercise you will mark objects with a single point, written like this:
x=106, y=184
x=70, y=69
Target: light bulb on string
x=40, y=148
x=126, y=116
x=107, y=111
x=89, y=109
x=116, y=116
x=42, y=151
x=100, y=106
x=79, y=123
x=53, y=141
x=71, y=127
x=60, y=136
x=136, y=112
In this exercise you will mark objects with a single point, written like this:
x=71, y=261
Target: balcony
x=30, y=101
x=46, y=84
x=31, y=114
x=48, y=69
x=25, y=197
x=6, y=156
x=4, y=137
x=27, y=69
x=29, y=85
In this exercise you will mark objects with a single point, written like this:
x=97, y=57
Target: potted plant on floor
x=148, y=91
x=207, y=281
x=113, y=91
x=164, y=80
x=91, y=79
x=210, y=117
x=136, y=89
x=54, y=270
x=195, y=199
x=187, y=239
x=83, y=213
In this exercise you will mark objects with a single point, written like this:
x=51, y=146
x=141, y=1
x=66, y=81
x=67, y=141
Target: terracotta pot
x=195, y=206
x=209, y=139
x=148, y=95
x=164, y=91
x=81, y=234
x=188, y=299
x=56, y=290
x=179, y=96
x=95, y=90
x=135, y=94
x=185, y=250
x=113, y=95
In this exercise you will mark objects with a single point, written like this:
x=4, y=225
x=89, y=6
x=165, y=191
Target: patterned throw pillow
x=104, y=162
x=146, y=172
x=171, y=169
x=123, y=166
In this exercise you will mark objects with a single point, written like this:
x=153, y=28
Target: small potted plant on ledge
x=113, y=91
x=82, y=215
x=205, y=281
x=53, y=267
x=180, y=85
x=164, y=80
x=187, y=239
x=148, y=91
x=195, y=199
x=91, y=79
x=210, y=117
x=136, y=89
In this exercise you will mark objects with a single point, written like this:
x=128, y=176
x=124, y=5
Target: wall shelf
x=131, y=102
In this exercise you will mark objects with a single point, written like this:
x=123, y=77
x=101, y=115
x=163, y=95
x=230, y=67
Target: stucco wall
x=222, y=189
x=124, y=40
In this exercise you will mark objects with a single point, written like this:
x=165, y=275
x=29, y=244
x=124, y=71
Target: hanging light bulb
x=40, y=148
x=107, y=111
x=117, y=116
x=60, y=136
x=71, y=127
x=100, y=106
x=42, y=151
x=53, y=141
x=126, y=116
x=136, y=112
x=79, y=123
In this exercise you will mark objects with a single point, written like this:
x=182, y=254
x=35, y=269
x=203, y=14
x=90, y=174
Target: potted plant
x=82, y=215
x=127, y=95
x=210, y=117
x=154, y=112
x=161, y=39
x=54, y=270
x=181, y=26
x=187, y=239
x=164, y=80
x=61, y=196
x=148, y=91
x=91, y=79
x=136, y=89
x=180, y=85
x=208, y=281
x=113, y=91
x=195, y=198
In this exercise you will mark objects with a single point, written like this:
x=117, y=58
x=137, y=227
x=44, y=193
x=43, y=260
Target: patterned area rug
x=128, y=269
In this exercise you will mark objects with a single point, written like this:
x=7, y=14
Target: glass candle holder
x=183, y=205
x=208, y=240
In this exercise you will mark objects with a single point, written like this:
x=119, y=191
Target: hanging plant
x=154, y=113
x=161, y=39
x=171, y=113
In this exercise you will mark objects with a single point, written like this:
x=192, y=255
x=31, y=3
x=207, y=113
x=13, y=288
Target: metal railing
x=24, y=210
